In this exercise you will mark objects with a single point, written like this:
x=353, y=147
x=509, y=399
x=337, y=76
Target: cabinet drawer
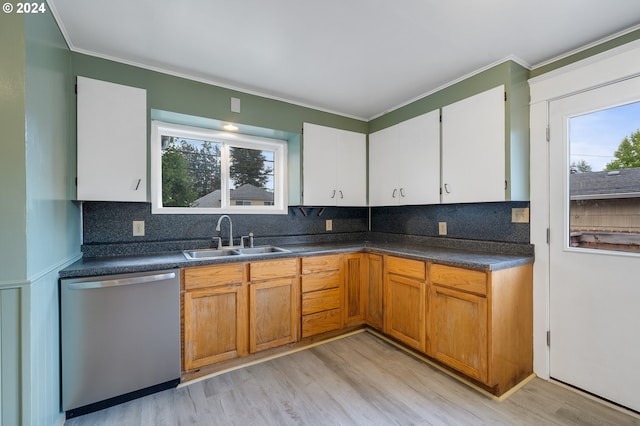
x=322, y=300
x=321, y=322
x=459, y=278
x=213, y=275
x=407, y=267
x=268, y=269
x=321, y=263
x=323, y=281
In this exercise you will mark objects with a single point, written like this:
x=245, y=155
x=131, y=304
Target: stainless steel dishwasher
x=120, y=338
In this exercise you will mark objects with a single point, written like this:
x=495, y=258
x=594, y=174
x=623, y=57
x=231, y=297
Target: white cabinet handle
x=341, y=195
x=402, y=192
x=446, y=189
x=395, y=191
x=333, y=194
x=138, y=184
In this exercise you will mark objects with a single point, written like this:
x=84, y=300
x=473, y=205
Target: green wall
x=175, y=94
x=12, y=161
x=586, y=53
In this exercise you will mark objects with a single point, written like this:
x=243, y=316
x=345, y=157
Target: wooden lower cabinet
x=274, y=304
x=215, y=315
x=355, y=279
x=458, y=331
x=373, y=292
x=481, y=323
x=322, y=294
x=404, y=300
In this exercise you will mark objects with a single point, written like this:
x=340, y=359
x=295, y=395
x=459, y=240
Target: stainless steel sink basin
x=263, y=250
x=214, y=253
x=208, y=253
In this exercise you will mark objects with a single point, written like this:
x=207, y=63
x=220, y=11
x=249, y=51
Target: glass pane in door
x=604, y=179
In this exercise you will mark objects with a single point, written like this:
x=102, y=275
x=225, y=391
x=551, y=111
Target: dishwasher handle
x=124, y=281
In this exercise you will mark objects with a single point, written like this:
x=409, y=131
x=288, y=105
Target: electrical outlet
x=329, y=225
x=442, y=228
x=520, y=215
x=138, y=228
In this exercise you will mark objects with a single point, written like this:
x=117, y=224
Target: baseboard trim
x=269, y=358
x=461, y=379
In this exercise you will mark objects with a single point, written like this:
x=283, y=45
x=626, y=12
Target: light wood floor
x=358, y=380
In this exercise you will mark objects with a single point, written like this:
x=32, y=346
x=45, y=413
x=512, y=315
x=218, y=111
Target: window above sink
x=197, y=170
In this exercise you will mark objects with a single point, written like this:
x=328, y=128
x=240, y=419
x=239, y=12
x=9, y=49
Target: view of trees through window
x=192, y=174
x=604, y=205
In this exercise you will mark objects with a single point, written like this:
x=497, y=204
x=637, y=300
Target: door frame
x=614, y=65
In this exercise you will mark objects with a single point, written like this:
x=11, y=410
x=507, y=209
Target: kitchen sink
x=208, y=253
x=263, y=250
x=215, y=253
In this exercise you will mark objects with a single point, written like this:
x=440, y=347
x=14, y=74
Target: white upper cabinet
x=112, y=142
x=404, y=162
x=334, y=167
x=473, y=149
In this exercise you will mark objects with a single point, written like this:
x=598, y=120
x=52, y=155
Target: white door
x=594, y=291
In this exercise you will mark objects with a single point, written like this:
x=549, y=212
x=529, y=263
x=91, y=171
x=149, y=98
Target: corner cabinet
x=334, y=167
x=404, y=300
x=404, y=162
x=112, y=142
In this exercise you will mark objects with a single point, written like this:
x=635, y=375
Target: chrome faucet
x=230, y=228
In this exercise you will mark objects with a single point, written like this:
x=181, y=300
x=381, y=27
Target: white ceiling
x=358, y=58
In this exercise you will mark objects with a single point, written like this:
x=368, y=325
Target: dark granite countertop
x=461, y=253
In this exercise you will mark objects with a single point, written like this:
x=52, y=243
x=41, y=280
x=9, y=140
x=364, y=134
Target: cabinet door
x=404, y=162
x=419, y=151
x=333, y=167
x=215, y=325
x=473, y=149
x=351, y=180
x=458, y=331
x=112, y=142
x=274, y=313
x=354, y=287
x=404, y=307
x=384, y=161
x=373, y=292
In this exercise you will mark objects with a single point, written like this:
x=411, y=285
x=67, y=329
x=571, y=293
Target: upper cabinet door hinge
x=548, y=133
x=549, y=338
x=548, y=235
x=75, y=89
x=505, y=96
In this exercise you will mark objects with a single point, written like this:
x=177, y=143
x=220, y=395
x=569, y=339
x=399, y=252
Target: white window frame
x=227, y=139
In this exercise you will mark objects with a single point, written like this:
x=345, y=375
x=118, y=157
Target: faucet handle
x=219, y=242
x=251, y=239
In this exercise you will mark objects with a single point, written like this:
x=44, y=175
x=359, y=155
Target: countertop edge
x=160, y=261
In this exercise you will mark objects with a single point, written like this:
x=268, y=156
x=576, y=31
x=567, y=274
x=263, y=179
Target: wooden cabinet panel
x=215, y=324
x=321, y=281
x=331, y=262
x=277, y=268
x=354, y=287
x=458, y=331
x=321, y=322
x=273, y=313
x=405, y=310
x=459, y=278
x=322, y=300
x=322, y=293
x=213, y=275
x=405, y=267
x=374, y=313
